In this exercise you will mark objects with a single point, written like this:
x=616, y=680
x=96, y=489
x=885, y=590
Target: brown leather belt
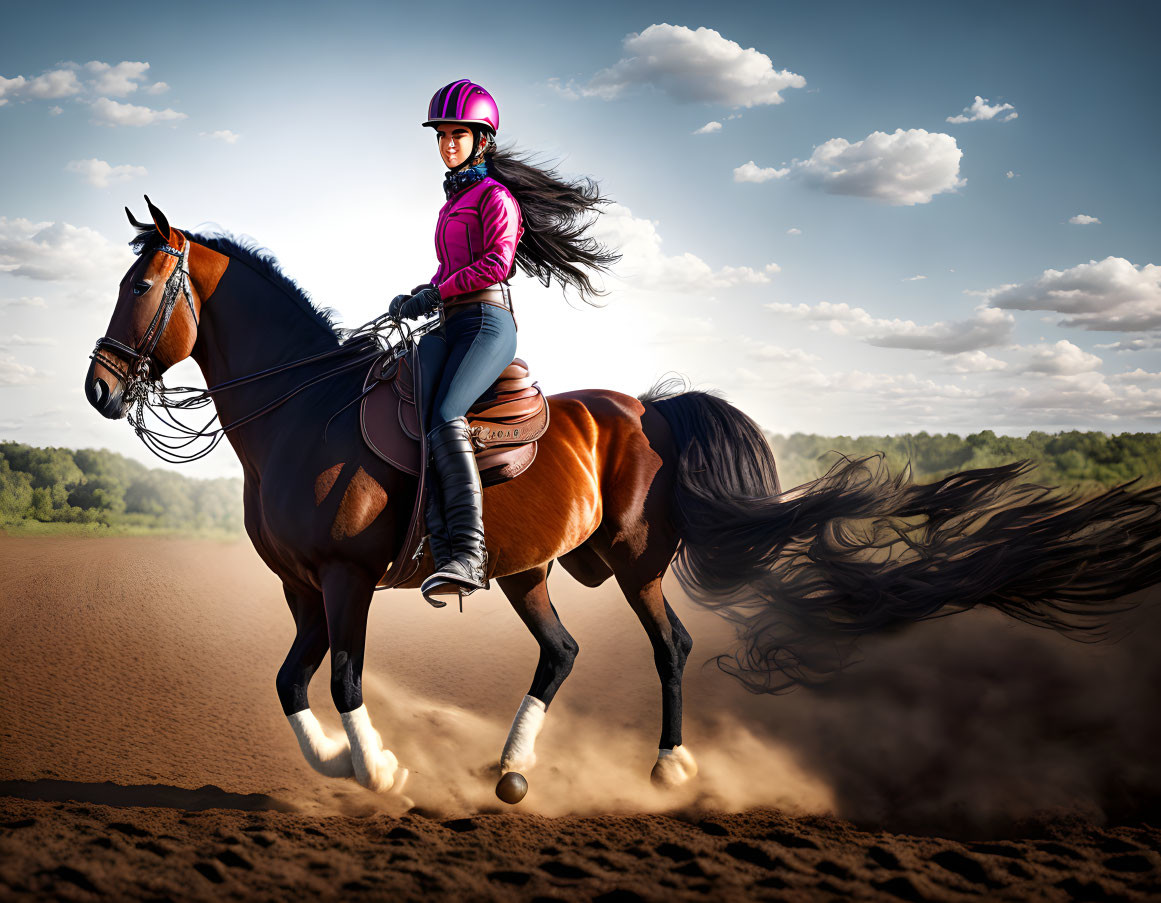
x=498, y=295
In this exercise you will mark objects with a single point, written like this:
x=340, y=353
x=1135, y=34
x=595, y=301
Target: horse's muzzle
x=105, y=391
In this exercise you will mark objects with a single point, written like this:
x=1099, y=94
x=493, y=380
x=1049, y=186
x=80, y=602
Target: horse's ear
x=133, y=220
x=160, y=221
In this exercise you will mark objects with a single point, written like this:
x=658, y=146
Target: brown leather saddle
x=505, y=421
x=504, y=424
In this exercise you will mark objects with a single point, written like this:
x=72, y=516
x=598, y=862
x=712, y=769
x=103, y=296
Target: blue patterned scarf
x=455, y=182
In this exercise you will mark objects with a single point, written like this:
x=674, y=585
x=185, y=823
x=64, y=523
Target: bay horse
x=621, y=487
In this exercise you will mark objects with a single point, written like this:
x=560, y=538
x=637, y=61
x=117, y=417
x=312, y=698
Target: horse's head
x=155, y=322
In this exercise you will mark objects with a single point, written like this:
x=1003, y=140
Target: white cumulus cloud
x=222, y=135
x=693, y=65
x=793, y=230
x=980, y=110
x=902, y=168
x=14, y=373
x=94, y=79
x=975, y=362
x=53, y=84
x=769, y=353
x=647, y=266
x=7, y=341
x=1110, y=294
x=709, y=128
x=59, y=252
x=118, y=80
x=1060, y=359
x=987, y=328
x=1082, y=219
x=751, y=172
x=100, y=174
x=110, y=112
x=10, y=87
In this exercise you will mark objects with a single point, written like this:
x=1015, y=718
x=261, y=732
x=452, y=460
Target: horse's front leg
x=325, y=755
x=347, y=592
x=528, y=593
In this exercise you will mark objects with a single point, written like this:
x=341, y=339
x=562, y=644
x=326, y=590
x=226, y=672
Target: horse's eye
x=141, y=288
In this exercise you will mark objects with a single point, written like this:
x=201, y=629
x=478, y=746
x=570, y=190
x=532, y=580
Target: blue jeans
x=460, y=361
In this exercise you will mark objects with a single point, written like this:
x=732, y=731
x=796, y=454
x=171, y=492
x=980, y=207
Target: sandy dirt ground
x=143, y=753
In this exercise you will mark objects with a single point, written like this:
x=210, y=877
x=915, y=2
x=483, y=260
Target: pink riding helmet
x=463, y=101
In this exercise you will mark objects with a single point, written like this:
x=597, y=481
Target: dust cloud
x=132, y=661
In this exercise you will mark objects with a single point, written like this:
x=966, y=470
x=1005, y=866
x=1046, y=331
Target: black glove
x=396, y=304
x=423, y=302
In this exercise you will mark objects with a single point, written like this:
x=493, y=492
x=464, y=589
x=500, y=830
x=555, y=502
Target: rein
x=363, y=345
x=150, y=395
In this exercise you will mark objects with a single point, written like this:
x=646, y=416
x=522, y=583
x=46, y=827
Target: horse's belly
x=555, y=505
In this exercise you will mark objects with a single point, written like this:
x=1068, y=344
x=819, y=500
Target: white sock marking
x=519, y=752
x=375, y=767
x=324, y=754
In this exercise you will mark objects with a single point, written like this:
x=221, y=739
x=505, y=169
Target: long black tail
x=804, y=573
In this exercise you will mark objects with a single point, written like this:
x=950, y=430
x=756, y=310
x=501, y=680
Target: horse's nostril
x=105, y=398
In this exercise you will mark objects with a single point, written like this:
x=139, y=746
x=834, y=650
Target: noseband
x=140, y=359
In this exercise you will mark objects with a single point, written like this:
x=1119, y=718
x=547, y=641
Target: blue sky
x=835, y=255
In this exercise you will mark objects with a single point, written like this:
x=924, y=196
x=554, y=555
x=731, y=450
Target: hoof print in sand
x=210, y=872
x=967, y=868
x=505, y=876
x=564, y=870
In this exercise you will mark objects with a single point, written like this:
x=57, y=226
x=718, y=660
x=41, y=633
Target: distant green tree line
x=1086, y=460
x=57, y=485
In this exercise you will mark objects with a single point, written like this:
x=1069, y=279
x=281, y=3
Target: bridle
x=146, y=392
x=140, y=360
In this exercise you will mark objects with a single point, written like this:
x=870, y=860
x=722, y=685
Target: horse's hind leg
x=347, y=596
x=671, y=647
x=324, y=754
x=528, y=593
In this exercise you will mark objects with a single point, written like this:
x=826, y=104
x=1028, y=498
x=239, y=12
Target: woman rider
x=502, y=212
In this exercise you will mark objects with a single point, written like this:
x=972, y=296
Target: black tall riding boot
x=437, y=539
x=462, y=499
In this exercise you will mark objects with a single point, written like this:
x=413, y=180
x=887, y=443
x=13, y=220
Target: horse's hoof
x=512, y=788
x=673, y=767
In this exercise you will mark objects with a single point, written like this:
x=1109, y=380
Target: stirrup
x=444, y=589
x=445, y=586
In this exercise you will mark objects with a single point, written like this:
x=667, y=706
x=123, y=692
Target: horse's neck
x=250, y=325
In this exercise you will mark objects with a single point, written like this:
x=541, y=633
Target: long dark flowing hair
x=557, y=217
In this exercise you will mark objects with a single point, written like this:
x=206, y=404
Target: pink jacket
x=475, y=238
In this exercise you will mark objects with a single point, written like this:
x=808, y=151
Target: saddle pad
x=390, y=424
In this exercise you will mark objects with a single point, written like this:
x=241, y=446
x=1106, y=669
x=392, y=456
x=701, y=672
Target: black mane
x=253, y=255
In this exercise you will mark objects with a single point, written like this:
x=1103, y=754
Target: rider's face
x=455, y=143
